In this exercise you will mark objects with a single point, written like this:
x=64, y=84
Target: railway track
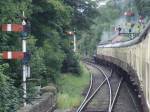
x=96, y=87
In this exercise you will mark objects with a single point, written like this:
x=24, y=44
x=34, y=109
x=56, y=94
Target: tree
x=83, y=12
x=103, y=21
x=47, y=41
x=143, y=7
x=49, y=16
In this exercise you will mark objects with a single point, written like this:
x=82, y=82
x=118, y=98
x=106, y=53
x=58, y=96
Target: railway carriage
x=133, y=57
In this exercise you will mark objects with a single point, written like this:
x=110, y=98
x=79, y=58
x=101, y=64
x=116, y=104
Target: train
x=132, y=56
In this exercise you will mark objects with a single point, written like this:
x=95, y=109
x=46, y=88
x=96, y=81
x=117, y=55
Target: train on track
x=133, y=57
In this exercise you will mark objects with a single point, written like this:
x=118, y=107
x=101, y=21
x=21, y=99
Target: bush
x=9, y=97
x=70, y=63
x=71, y=88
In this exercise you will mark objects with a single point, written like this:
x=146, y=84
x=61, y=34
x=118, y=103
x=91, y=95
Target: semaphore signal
x=12, y=27
x=23, y=55
x=16, y=55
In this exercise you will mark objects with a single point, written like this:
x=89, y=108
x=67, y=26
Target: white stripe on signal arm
x=9, y=27
x=9, y=55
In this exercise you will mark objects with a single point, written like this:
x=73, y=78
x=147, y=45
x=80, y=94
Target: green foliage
x=71, y=88
x=143, y=7
x=8, y=96
x=47, y=43
x=70, y=63
x=49, y=16
x=83, y=12
x=49, y=20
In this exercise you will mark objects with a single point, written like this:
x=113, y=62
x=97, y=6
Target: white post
x=24, y=85
x=24, y=67
x=24, y=49
x=28, y=72
x=75, y=46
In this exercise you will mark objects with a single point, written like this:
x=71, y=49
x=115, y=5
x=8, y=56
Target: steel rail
x=87, y=95
x=90, y=98
x=116, y=94
x=110, y=91
x=109, y=85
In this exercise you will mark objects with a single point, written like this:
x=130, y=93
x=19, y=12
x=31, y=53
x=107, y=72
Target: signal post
x=74, y=40
x=72, y=33
x=19, y=55
x=25, y=68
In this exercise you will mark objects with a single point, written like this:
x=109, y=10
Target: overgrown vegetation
x=48, y=44
x=71, y=88
x=9, y=97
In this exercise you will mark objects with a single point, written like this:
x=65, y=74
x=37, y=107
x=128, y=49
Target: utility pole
x=24, y=50
x=74, y=42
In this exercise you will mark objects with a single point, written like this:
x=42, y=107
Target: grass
x=71, y=88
